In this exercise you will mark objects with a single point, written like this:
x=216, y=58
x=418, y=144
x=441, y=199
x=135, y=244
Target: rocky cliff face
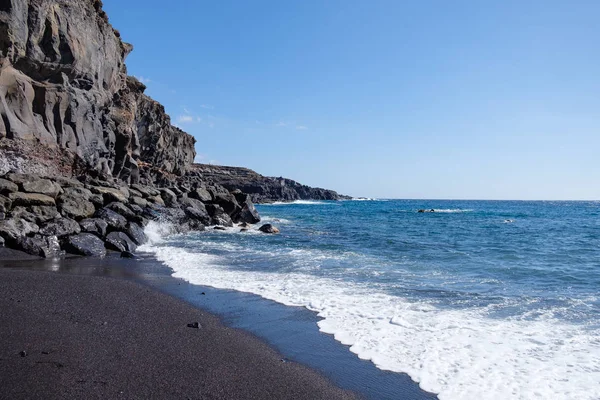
x=64, y=85
x=262, y=189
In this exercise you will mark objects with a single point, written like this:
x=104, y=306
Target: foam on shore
x=457, y=353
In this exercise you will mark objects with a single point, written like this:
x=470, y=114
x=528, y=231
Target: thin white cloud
x=301, y=127
x=207, y=106
x=143, y=79
x=182, y=119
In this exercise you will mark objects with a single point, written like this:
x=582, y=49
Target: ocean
x=479, y=299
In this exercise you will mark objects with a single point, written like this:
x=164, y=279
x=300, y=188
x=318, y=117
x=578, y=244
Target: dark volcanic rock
x=168, y=197
x=268, y=228
x=31, y=199
x=201, y=194
x=7, y=186
x=44, y=213
x=13, y=229
x=43, y=186
x=120, y=241
x=115, y=221
x=261, y=189
x=248, y=212
x=136, y=233
x=38, y=245
x=218, y=215
x=60, y=227
x=85, y=244
x=96, y=226
x=5, y=204
x=65, y=84
x=73, y=206
x=121, y=209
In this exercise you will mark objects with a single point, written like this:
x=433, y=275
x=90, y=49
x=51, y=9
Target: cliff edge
x=64, y=92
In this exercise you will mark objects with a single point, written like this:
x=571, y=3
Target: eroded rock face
x=64, y=85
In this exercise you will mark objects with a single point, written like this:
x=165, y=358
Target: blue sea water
x=488, y=299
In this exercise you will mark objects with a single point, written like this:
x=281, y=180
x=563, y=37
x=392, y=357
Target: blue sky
x=396, y=99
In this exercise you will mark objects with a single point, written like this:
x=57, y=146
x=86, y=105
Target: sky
x=388, y=99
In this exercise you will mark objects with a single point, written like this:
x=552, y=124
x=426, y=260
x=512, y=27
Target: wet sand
x=99, y=337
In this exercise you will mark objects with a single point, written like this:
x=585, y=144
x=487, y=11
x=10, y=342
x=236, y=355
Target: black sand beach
x=69, y=336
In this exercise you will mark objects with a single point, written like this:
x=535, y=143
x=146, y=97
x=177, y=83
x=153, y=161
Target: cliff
x=64, y=91
x=262, y=189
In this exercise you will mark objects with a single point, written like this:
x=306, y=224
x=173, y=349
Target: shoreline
x=113, y=338
x=289, y=332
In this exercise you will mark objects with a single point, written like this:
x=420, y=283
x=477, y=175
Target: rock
x=20, y=179
x=139, y=201
x=41, y=246
x=198, y=215
x=157, y=200
x=110, y=194
x=146, y=191
x=194, y=325
x=169, y=198
x=201, y=194
x=64, y=84
x=42, y=186
x=128, y=254
x=97, y=200
x=5, y=204
x=85, y=244
x=72, y=206
x=65, y=182
x=44, y=213
x=7, y=187
x=1, y=241
x=115, y=221
x=219, y=228
x=96, y=226
x=244, y=230
x=23, y=213
x=120, y=241
x=23, y=353
x=136, y=233
x=121, y=209
x=77, y=192
x=60, y=227
x=268, y=228
x=2, y=216
x=12, y=229
x=31, y=199
x=248, y=212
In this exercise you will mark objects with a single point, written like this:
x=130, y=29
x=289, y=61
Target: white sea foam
x=456, y=210
x=459, y=354
x=297, y=202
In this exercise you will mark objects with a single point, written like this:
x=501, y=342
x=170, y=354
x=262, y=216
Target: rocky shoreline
x=86, y=158
x=51, y=216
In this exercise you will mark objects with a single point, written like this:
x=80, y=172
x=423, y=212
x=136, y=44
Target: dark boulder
x=201, y=194
x=7, y=187
x=44, y=213
x=248, y=212
x=20, y=179
x=146, y=191
x=115, y=221
x=5, y=204
x=97, y=200
x=85, y=244
x=78, y=192
x=110, y=194
x=169, y=198
x=72, y=206
x=23, y=213
x=96, y=226
x=136, y=233
x=12, y=229
x=218, y=215
x=42, y=186
x=268, y=228
x=121, y=209
x=60, y=227
x=38, y=245
x=31, y=199
x=120, y=241
x=198, y=215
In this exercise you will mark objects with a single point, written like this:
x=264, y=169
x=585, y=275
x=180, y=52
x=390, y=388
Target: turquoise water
x=496, y=299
